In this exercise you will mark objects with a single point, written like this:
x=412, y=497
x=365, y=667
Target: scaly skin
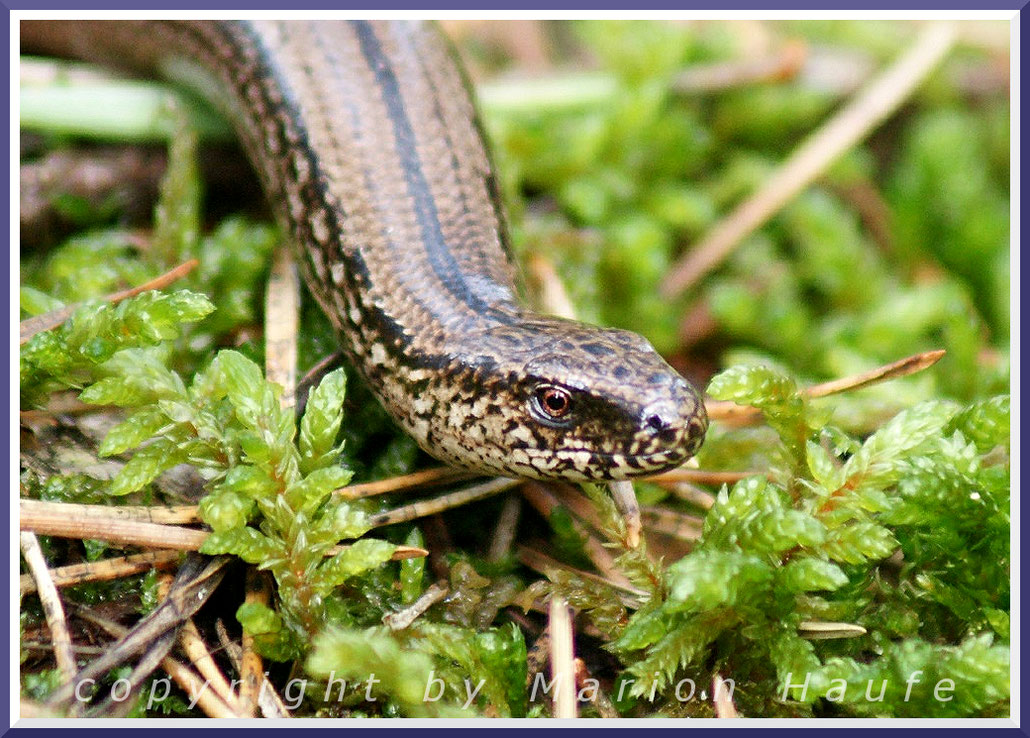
x=370, y=152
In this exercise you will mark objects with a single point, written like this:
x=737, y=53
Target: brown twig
x=689, y=493
x=251, y=669
x=174, y=515
x=625, y=499
x=504, y=532
x=873, y=210
x=541, y=497
x=99, y=571
x=195, y=688
x=600, y=700
x=53, y=610
x=732, y=414
x=873, y=104
x=779, y=65
x=743, y=414
x=423, y=478
x=571, y=497
x=400, y=553
x=445, y=502
x=402, y=619
x=47, y=321
x=48, y=647
x=125, y=525
x=151, y=637
x=894, y=370
x=207, y=700
x=700, y=476
x=542, y=563
x=197, y=652
x=672, y=523
x=69, y=520
x=440, y=544
x=268, y=699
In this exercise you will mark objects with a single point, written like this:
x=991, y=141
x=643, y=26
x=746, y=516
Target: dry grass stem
x=719, y=76
x=625, y=499
x=867, y=109
x=98, y=571
x=53, y=610
x=894, y=370
x=269, y=701
x=504, y=532
x=671, y=523
x=700, y=476
x=572, y=498
x=48, y=647
x=423, y=478
x=551, y=292
x=251, y=668
x=722, y=699
x=148, y=641
x=174, y=515
x=57, y=519
x=734, y=414
x=195, y=688
x=541, y=497
x=563, y=671
x=404, y=618
x=822, y=631
x=542, y=563
x=197, y=651
x=402, y=552
x=689, y=493
x=282, y=316
x=424, y=508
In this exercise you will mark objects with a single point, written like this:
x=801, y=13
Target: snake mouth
x=647, y=465
x=588, y=465
x=657, y=457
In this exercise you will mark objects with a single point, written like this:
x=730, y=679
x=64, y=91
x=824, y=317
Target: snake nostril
x=661, y=428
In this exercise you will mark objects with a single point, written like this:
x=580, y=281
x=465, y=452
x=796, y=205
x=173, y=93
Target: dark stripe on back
x=441, y=259
x=317, y=194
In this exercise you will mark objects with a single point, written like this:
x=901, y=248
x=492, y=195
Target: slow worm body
x=367, y=143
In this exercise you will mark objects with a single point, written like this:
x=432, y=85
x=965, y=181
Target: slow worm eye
x=554, y=402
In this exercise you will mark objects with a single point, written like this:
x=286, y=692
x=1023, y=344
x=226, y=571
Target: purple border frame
x=230, y=5
x=574, y=5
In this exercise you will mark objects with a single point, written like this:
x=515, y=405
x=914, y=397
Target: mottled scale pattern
x=369, y=149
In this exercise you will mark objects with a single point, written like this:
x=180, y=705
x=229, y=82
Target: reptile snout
x=675, y=420
x=664, y=422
